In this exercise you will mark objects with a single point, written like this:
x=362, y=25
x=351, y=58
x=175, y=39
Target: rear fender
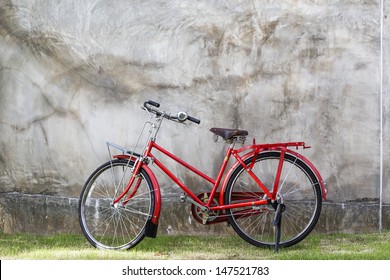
x=324, y=190
x=295, y=154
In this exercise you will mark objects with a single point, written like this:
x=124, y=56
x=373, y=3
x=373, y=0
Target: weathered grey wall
x=74, y=74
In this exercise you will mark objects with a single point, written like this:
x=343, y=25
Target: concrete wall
x=74, y=74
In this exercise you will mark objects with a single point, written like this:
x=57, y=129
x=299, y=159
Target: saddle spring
x=234, y=139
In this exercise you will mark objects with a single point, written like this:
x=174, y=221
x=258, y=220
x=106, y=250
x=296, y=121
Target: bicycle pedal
x=205, y=217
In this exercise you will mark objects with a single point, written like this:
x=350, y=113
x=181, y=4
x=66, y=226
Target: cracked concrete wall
x=74, y=74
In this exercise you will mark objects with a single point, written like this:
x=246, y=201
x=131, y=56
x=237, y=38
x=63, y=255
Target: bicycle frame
x=252, y=150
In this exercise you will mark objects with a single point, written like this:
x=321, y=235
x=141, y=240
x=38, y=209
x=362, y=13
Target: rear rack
x=259, y=147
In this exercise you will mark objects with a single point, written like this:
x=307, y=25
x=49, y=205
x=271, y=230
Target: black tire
x=108, y=226
x=299, y=190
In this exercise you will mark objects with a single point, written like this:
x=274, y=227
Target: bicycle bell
x=182, y=116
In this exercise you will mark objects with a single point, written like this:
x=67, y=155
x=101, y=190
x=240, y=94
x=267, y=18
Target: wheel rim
x=298, y=191
x=114, y=226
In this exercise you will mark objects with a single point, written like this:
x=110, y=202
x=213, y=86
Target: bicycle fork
x=152, y=223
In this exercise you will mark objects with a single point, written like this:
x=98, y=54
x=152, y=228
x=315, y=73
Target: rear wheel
x=115, y=226
x=298, y=190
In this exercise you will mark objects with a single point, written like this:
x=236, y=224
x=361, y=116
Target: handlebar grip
x=153, y=103
x=195, y=120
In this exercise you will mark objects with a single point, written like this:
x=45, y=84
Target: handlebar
x=195, y=120
x=153, y=103
x=181, y=116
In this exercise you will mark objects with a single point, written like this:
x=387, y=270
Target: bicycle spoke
x=285, y=177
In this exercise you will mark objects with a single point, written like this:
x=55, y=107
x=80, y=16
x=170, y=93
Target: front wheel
x=115, y=226
x=298, y=190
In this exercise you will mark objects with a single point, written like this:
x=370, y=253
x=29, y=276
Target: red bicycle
x=120, y=202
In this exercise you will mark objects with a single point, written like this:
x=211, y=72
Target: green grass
x=315, y=247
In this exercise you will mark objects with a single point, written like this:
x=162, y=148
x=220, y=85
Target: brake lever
x=146, y=109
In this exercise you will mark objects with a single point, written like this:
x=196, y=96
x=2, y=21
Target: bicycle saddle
x=227, y=133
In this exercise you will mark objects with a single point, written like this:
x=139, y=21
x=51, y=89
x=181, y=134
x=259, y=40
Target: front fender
x=156, y=187
x=248, y=155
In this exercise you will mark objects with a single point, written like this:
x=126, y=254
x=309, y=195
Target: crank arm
x=201, y=207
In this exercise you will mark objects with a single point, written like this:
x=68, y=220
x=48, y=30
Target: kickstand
x=277, y=224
